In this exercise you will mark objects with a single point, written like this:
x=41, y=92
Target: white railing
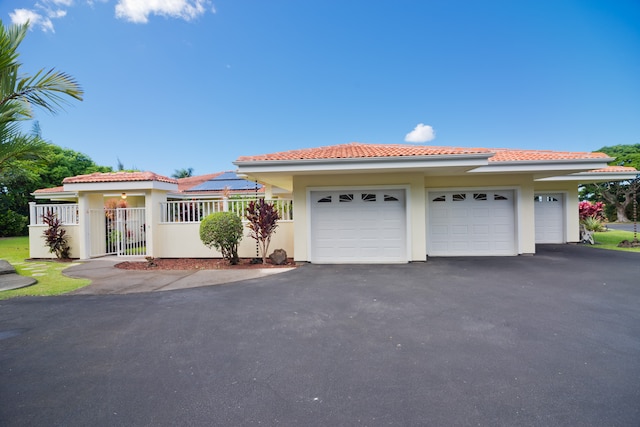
x=67, y=213
x=190, y=211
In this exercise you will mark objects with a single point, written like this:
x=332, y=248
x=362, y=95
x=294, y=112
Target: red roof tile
x=118, y=177
x=511, y=155
x=615, y=169
x=359, y=150
x=50, y=190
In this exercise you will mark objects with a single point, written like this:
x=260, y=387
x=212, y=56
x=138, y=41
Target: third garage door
x=478, y=222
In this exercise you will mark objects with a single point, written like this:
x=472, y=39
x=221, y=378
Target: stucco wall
x=37, y=248
x=183, y=241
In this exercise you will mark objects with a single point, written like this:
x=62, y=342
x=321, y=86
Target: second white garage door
x=358, y=226
x=478, y=222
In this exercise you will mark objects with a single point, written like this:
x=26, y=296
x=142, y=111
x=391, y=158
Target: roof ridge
x=118, y=176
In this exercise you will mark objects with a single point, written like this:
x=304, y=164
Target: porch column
x=152, y=204
x=86, y=202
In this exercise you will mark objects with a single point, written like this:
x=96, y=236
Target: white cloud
x=21, y=16
x=421, y=133
x=138, y=11
x=58, y=13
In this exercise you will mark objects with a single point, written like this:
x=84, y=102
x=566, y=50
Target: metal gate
x=120, y=231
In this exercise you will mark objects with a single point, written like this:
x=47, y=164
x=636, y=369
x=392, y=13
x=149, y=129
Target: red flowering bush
x=591, y=210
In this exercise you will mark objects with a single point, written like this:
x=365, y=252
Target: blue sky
x=193, y=83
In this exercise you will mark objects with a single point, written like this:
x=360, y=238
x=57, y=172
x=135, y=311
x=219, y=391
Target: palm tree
x=19, y=93
x=182, y=173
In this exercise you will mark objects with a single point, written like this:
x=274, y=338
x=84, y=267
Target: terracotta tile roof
x=357, y=150
x=50, y=190
x=615, y=169
x=118, y=177
x=185, y=184
x=511, y=155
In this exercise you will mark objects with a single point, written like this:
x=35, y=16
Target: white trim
x=407, y=197
x=589, y=177
x=549, y=166
x=361, y=164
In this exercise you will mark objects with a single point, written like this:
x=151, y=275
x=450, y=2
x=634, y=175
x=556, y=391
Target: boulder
x=278, y=257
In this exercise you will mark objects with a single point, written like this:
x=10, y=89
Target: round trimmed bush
x=223, y=231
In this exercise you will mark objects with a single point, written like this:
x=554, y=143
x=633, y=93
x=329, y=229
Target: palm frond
x=15, y=145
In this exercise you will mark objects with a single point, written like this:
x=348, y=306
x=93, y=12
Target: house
x=353, y=203
x=146, y=214
x=373, y=203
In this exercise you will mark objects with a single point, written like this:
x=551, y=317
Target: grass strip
x=51, y=281
x=610, y=239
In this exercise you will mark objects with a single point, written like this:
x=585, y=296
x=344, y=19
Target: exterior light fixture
x=124, y=196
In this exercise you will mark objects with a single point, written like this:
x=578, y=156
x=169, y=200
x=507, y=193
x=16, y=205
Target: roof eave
x=536, y=166
x=589, y=177
x=59, y=195
x=364, y=163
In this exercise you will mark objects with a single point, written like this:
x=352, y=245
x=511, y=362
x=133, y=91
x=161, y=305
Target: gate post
x=86, y=202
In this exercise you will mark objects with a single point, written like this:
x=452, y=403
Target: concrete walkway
x=10, y=279
x=107, y=279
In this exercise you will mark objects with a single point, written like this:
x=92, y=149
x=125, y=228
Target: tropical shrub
x=262, y=220
x=593, y=224
x=590, y=210
x=13, y=224
x=591, y=215
x=55, y=236
x=223, y=231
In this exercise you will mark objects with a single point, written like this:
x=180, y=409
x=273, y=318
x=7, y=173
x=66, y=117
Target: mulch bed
x=198, y=264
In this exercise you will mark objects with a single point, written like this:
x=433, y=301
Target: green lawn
x=51, y=281
x=610, y=239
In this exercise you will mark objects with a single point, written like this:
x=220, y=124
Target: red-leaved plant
x=262, y=220
x=590, y=210
x=55, y=236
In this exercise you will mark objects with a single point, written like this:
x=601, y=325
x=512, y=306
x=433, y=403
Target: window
x=326, y=199
x=459, y=197
x=440, y=199
x=479, y=196
x=499, y=197
x=368, y=197
x=346, y=198
x=388, y=198
x=545, y=199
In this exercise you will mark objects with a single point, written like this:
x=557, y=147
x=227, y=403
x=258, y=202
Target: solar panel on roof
x=227, y=175
x=226, y=180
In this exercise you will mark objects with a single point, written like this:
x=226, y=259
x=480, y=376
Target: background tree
x=617, y=196
x=182, y=173
x=23, y=177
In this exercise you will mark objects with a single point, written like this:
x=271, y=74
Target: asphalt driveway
x=548, y=340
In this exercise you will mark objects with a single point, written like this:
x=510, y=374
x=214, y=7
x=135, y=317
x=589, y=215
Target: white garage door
x=478, y=222
x=358, y=226
x=549, y=217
